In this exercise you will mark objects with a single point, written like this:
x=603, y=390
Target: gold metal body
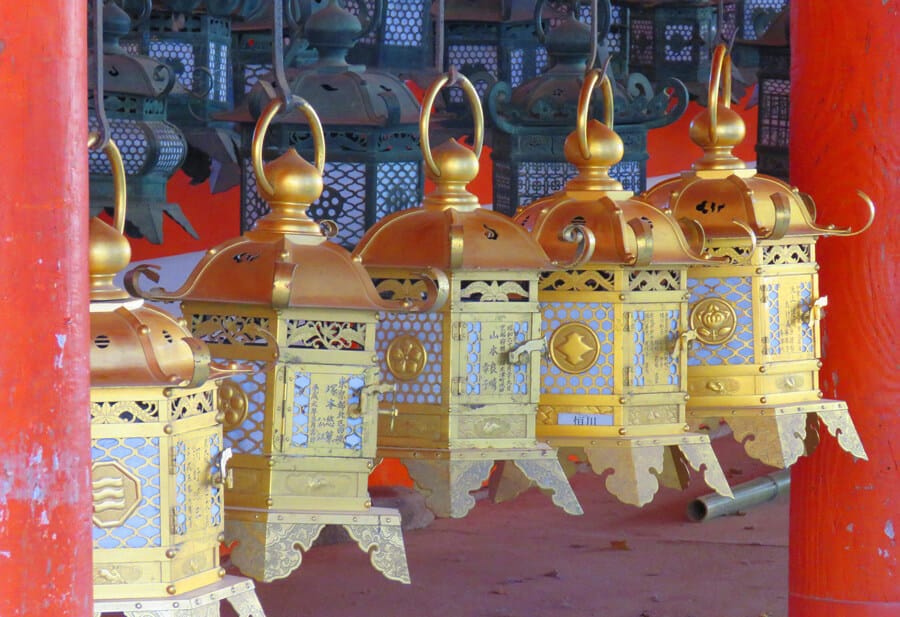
x=237, y=591
x=755, y=360
x=466, y=374
x=158, y=466
x=285, y=300
x=613, y=381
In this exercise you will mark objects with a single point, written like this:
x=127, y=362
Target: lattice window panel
x=538, y=179
x=179, y=511
x=214, y=446
x=171, y=149
x=516, y=67
x=644, y=356
x=424, y=389
x=140, y=456
x=397, y=187
x=353, y=429
x=248, y=436
x=502, y=187
x=478, y=349
x=775, y=112
x=599, y=379
x=541, y=60
x=679, y=46
x=332, y=335
x=177, y=54
x=343, y=201
x=253, y=207
x=615, y=40
x=132, y=141
x=758, y=14
x=739, y=349
x=779, y=254
x=642, y=36
x=773, y=341
x=807, y=338
x=300, y=419
x=253, y=73
x=220, y=68
x=729, y=20
x=403, y=22
x=471, y=59
x=654, y=280
x=631, y=174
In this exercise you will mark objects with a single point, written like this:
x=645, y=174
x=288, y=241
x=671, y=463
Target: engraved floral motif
x=714, y=321
x=109, y=412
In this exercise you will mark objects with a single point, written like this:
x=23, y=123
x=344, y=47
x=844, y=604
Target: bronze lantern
x=613, y=383
x=755, y=360
x=466, y=375
x=295, y=306
x=158, y=466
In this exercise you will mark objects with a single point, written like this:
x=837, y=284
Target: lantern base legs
x=447, y=478
x=271, y=543
x=641, y=464
x=204, y=602
x=778, y=436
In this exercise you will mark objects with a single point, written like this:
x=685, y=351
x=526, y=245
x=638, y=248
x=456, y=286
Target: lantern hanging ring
x=103, y=132
x=452, y=77
x=584, y=105
x=118, y=173
x=262, y=126
x=719, y=75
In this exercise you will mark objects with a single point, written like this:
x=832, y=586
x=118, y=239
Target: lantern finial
x=718, y=128
x=109, y=251
x=289, y=183
x=451, y=166
x=594, y=147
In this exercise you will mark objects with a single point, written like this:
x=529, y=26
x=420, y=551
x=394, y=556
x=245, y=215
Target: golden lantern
x=295, y=306
x=466, y=375
x=755, y=360
x=613, y=380
x=158, y=466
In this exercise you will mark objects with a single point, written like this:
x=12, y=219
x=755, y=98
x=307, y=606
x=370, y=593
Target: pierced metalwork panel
x=331, y=335
x=642, y=42
x=343, y=201
x=253, y=207
x=541, y=59
x=780, y=255
x=654, y=280
x=402, y=23
x=722, y=339
x=538, y=179
x=410, y=349
x=486, y=368
x=253, y=73
x=178, y=54
x=398, y=186
x=679, y=45
x=774, y=122
x=494, y=291
x=578, y=280
x=110, y=412
x=195, y=404
x=653, y=334
x=139, y=458
x=320, y=410
x=229, y=329
x=516, y=67
x=597, y=377
x=246, y=435
x=615, y=40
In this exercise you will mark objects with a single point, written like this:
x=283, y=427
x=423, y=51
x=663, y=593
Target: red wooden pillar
x=45, y=497
x=845, y=135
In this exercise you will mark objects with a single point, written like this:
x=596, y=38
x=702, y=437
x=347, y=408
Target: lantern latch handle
x=817, y=311
x=520, y=354
x=225, y=475
x=682, y=342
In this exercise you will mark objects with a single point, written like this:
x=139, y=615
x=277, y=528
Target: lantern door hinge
x=629, y=375
x=459, y=385
x=628, y=324
x=173, y=460
x=458, y=331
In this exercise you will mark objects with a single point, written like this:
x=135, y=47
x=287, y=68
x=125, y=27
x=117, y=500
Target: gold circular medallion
x=233, y=404
x=574, y=347
x=406, y=357
x=116, y=492
x=714, y=321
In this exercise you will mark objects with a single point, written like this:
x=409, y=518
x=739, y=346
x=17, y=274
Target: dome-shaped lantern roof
x=451, y=230
x=720, y=190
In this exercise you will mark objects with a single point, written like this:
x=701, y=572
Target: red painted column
x=45, y=498
x=845, y=135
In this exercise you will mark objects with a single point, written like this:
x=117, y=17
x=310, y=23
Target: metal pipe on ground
x=746, y=495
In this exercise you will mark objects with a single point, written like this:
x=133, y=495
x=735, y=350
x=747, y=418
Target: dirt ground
x=527, y=558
